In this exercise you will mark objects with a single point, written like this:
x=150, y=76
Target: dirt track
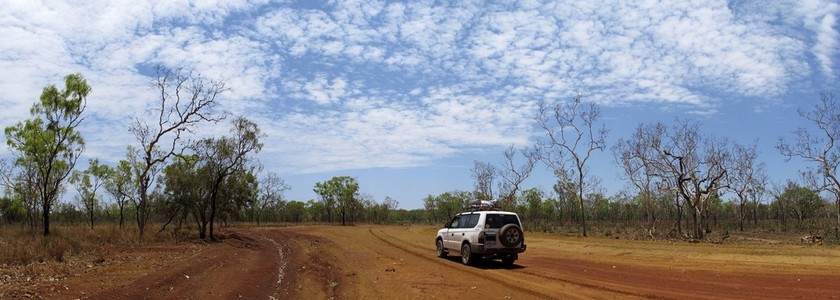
x=396, y=262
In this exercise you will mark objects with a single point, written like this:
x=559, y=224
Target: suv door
x=449, y=235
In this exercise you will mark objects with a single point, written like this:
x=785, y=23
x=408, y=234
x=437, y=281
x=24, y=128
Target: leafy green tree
x=295, y=211
x=226, y=156
x=20, y=185
x=451, y=203
x=800, y=202
x=118, y=184
x=343, y=191
x=49, y=141
x=11, y=210
x=88, y=183
x=238, y=191
x=316, y=211
x=186, y=192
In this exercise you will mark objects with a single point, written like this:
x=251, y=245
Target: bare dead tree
x=272, y=190
x=484, y=174
x=185, y=100
x=820, y=147
x=699, y=165
x=761, y=184
x=571, y=138
x=744, y=177
x=682, y=161
x=514, y=174
x=636, y=160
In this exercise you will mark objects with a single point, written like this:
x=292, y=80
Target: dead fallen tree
x=812, y=240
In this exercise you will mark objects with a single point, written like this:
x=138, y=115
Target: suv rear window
x=499, y=220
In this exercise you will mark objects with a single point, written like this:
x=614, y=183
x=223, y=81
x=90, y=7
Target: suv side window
x=499, y=220
x=469, y=221
x=454, y=223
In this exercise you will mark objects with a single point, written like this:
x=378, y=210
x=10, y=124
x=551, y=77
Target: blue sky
x=406, y=95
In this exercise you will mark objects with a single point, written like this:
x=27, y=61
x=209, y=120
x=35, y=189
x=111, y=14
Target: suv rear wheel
x=440, y=251
x=508, y=260
x=466, y=255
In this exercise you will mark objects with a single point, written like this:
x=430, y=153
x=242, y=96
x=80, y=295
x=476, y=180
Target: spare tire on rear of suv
x=510, y=235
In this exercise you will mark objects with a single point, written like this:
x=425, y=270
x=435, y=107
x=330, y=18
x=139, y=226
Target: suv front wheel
x=440, y=251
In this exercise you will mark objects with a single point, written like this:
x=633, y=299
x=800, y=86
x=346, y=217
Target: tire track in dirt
x=208, y=273
x=306, y=269
x=472, y=272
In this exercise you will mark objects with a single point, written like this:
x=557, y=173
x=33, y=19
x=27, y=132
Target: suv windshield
x=499, y=220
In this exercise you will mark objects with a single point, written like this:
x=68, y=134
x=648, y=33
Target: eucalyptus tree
x=820, y=147
x=88, y=183
x=513, y=173
x=119, y=185
x=745, y=178
x=19, y=183
x=636, y=160
x=49, y=142
x=484, y=174
x=272, y=189
x=185, y=99
x=342, y=191
x=185, y=187
x=687, y=162
x=571, y=137
x=226, y=156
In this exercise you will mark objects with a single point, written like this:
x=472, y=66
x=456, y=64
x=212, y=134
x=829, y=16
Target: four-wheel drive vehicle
x=482, y=235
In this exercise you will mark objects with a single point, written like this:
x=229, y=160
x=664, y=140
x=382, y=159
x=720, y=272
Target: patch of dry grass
x=23, y=246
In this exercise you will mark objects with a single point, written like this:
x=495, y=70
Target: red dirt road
x=391, y=262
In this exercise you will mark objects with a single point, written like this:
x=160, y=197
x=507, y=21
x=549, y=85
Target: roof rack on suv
x=482, y=205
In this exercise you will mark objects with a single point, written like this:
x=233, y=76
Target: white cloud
x=821, y=17
x=390, y=84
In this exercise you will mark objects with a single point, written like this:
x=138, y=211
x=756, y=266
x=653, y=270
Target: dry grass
x=23, y=246
x=28, y=259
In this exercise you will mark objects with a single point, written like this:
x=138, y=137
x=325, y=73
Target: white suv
x=482, y=234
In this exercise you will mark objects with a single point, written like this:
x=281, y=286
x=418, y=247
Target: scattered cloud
x=358, y=84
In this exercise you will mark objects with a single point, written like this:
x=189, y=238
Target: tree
x=821, y=147
x=513, y=175
x=693, y=164
x=272, y=190
x=19, y=182
x=49, y=142
x=571, y=139
x=745, y=177
x=118, y=184
x=185, y=100
x=637, y=161
x=88, y=183
x=226, y=156
x=187, y=193
x=483, y=174
x=342, y=191
x=800, y=202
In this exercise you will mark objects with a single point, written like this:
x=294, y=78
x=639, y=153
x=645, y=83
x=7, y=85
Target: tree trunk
x=91, y=218
x=121, y=216
x=837, y=226
x=46, y=214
